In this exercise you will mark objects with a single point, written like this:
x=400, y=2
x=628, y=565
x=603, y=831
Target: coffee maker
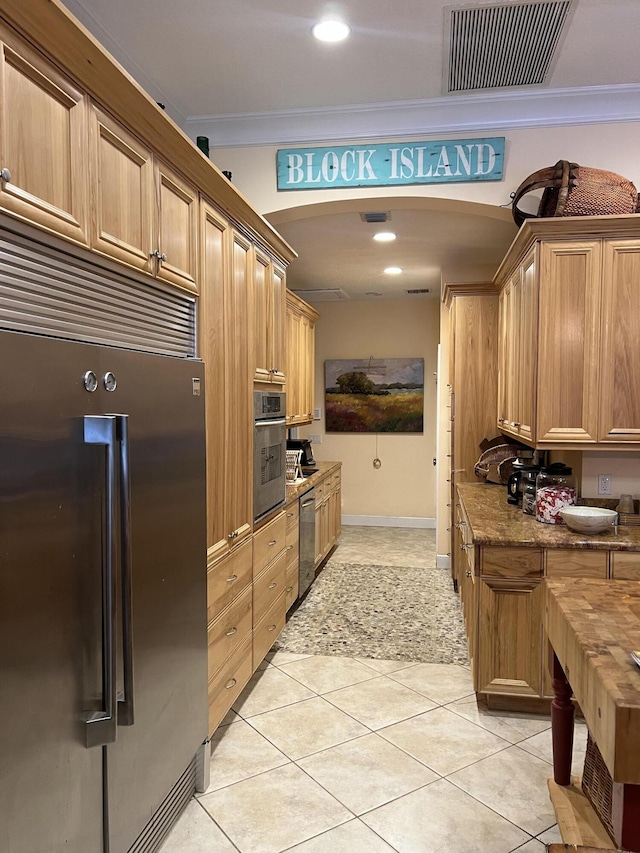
x=303, y=444
x=525, y=469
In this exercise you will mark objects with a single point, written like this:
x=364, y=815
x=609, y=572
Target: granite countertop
x=495, y=522
x=323, y=468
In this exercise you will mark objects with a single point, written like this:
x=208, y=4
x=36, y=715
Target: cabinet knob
x=468, y=573
x=515, y=424
x=5, y=174
x=158, y=254
x=500, y=420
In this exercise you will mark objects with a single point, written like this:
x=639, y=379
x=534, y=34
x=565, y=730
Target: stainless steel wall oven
x=269, y=452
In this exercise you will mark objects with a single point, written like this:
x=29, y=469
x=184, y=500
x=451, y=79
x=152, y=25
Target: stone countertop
x=495, y=522
x=323, y=468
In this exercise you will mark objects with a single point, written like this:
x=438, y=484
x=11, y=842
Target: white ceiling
x=214, y=61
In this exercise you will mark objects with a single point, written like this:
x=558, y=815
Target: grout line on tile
x=217, y=825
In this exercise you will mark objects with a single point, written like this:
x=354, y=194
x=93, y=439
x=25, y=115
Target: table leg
x=562, y=713
x=625, y=815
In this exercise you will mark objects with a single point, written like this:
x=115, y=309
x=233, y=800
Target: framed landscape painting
x=374, y=395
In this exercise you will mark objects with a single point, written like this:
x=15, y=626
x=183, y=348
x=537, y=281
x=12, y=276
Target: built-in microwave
x=269, y=452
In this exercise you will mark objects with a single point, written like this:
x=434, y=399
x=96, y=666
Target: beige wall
x=403, y=490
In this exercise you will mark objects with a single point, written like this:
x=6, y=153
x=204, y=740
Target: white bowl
x=588, y=519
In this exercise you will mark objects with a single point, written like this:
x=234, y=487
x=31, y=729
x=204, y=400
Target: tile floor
x=344, y=755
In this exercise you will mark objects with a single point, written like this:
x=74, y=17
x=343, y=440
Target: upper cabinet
x=43, y=152
x=569, y=341
x=269, y=319
x=301, y=320
x=144, y=213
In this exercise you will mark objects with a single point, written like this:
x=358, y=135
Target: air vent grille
x=419, y=290
x=325, y=294
x=375, y=217
x=499, y=46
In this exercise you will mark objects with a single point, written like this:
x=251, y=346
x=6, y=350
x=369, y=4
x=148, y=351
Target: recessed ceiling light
x=384, y=236
x=393, y=270
x=373, y=293
x=331, y=30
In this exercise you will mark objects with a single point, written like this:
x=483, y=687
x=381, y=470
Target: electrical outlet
x=604, y=484
x=315, y=439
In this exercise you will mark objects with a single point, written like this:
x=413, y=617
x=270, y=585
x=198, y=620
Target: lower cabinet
x=246, y=606
x=328, y=514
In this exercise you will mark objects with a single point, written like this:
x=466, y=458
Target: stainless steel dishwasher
x=306, y=571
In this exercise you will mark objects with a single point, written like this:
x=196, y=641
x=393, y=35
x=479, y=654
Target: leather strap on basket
x=562, y=177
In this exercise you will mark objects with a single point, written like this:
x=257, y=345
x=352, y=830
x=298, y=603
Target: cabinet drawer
x=291, y=584
x=292, y=513
x=292, y=549
x=268, y=541
x=228, y=631
x=625, y=565
x=228, y=683
x=578, y=563
x=511, y=562
x=268, y=587
x=267, y=630
x=227, y=578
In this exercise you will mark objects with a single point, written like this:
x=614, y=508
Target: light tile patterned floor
x=342, y=755
x=329, y=754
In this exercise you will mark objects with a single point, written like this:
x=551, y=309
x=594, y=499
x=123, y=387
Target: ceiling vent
x=327, y=294
x=375, y=217
x=419, y=290
x=512, y=44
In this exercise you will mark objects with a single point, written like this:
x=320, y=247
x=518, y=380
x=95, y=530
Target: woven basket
x=572, y=190
x=597, y=784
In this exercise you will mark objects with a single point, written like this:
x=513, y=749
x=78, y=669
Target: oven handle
x=279, y=422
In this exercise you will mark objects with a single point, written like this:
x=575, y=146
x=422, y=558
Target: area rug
x=382, y=612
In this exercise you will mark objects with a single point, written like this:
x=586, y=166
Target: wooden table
x=592, y=626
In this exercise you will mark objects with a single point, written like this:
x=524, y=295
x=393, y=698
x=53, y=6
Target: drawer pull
x=289, y=547
x=273, y=585
x=5, y=174
x=289, y=589
x=271, y=628
x=289, y=515
x=461, y=524
x=231, y=683
x=231, y=632
x=272, y=543
x=232, y=578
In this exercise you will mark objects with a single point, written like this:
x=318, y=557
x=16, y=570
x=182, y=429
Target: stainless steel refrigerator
x=103, y=651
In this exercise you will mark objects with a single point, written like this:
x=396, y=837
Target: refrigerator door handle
x=101, y=725
x=125, y=700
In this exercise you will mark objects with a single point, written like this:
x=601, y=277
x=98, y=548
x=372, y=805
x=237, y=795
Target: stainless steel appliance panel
x=168, y=572
x=306, y=572
x=51, y=560
x=269, y=452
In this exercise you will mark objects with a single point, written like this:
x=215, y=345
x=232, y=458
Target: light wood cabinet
x=143, y=213
x=43, y=142
x=570, y=336
x=224, y=339
x=625, y=566
x=292, y=548
x=301, y=320
x=328, y=514
x=473, y=366
x=269, y=319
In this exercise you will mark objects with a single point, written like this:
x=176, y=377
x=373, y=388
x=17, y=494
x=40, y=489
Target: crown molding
x=461, y=114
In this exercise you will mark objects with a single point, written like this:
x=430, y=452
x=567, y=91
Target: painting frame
x=374, y=395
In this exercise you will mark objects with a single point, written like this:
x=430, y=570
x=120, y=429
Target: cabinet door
x=568, y=349
x=177, y=206
x=276, y=328
x=122, y=201
x=509, y=653
x=294, y=366
x=625, y=565
x=620, y=353
x=309, y=362
x=238, y=496
x=43, y=143
x=527, y=343
x=261, y=311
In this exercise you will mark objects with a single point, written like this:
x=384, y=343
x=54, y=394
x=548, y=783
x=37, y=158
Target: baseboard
x=443, y=561
x=387, y=521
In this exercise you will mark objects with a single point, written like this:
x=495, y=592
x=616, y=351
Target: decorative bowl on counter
x=588, y=519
